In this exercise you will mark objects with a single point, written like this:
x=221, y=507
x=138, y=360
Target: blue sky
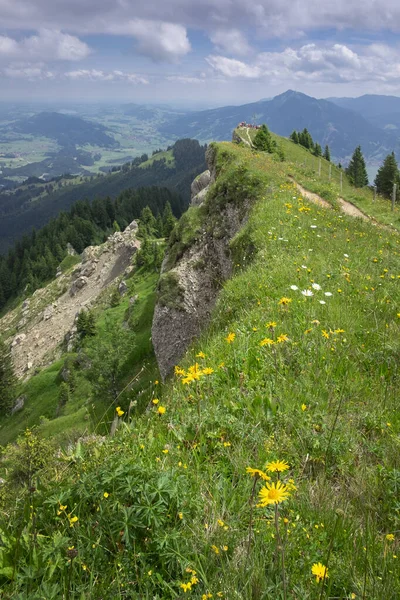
x=203, y=53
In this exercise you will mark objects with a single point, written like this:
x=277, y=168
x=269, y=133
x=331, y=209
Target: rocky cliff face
x=189, y=285
x=47, y=319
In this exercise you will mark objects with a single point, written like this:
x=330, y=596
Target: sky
x=196, y=53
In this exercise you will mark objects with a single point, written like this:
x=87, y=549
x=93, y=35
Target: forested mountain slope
x=20, y=213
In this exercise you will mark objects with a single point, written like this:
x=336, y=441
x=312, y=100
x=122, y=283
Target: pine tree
x=387, y=175
x=159, y=226
x=263, y=140
x=86, y=324
x=168, y=220
x=306, y=140
x=317, y=150
x=327, y=154
x=357, y=171
x=294, y=136
x=7, y=380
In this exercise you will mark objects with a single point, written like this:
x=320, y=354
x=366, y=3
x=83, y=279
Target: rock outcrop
x=46, y=320
x=188, y=289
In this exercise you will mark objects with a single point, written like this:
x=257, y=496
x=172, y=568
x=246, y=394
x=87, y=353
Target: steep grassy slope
x=300, y=365
x=304, y=166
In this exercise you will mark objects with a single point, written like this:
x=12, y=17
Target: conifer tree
x=159, y=226
x=263, y=140
x=327, y=153
x=294, y=136
x=357, y=171
x=317, y=150
x=387, y=175
x=306, y=140
x=7, y=380
x=168, y=220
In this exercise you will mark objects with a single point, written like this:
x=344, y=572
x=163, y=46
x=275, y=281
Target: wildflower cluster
x=188, y=585
x=194, y=373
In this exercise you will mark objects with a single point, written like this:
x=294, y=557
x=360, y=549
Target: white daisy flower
x=322, y=302
x=294, y=287
x=307, y=293
x=316, y=286
x=346, y=255
x=328, y=294
x=304, y=267
x=313, y=226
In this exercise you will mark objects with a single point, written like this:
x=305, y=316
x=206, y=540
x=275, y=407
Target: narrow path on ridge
x=347, y=207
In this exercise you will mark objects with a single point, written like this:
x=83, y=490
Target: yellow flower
x=179, y=371
x=119, y=411
x=284, y=301
x=230, y=337
x=282, y=338
x=188, y=379
x=180, y=515
x=390, y=537
x=225, y=548
x=161, y=410
x=277, y=465
x=215, y=549
x=155, y=401
x=267, y=342
x=206, y=596
x=271, y=324
x=186, y=586
x=308, y=331
x=72, y=521
x=106, y=494
x=165, y=451
x=325, y=334
x=156, y=382
x=304, y=407
x=200, y=355
x=320, y=571
x=273, y=493
x=220, y=523
x=208, y=371
x=254, y=472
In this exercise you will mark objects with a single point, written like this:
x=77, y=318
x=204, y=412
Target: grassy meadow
x=268, y=465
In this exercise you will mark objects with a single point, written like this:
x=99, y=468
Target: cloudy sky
x=197, y=52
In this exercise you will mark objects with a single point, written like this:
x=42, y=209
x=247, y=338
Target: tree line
x=34, y=259
x=304, y=138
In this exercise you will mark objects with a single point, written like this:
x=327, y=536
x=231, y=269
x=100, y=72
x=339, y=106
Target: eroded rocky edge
x=47, y=320
x=198, y=276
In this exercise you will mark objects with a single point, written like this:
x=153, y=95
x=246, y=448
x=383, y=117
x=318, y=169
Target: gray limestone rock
x=18, y=404
x=78, y=284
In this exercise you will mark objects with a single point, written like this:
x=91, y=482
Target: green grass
x=304, y=166
x=170, y=491
x=168, y=155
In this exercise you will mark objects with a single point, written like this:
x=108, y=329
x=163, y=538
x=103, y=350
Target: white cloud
x=231, y=41
x=97, y=75
x=160, y=41
x=28, y=71
x=230, y=67
x=335, y=63
x=47, y=45
x=185, y=79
